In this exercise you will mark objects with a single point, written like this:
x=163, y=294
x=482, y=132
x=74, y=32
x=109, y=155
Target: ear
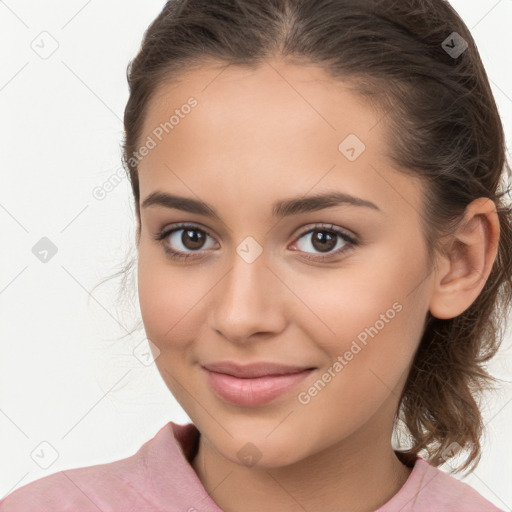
x=461, y=273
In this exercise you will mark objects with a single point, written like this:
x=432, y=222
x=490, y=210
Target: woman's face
x=339, y=289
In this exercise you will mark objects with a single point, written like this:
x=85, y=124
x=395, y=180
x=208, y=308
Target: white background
x=65, y=378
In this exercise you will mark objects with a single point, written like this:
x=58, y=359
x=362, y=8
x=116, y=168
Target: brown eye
x=192, y=239
x=323, y=241
x=327, y=241
x=182, y=241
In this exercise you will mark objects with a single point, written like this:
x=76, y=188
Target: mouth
x=254, y=384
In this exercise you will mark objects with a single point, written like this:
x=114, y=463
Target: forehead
x=280, y=125
x=306, y=97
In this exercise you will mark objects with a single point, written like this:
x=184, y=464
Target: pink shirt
x=159, y=477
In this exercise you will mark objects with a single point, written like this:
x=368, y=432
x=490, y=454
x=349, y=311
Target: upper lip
x=252, y=370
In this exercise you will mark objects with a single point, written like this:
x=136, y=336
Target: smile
x=255, y=384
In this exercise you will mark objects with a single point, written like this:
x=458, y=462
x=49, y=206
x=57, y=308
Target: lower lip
x=256, y=391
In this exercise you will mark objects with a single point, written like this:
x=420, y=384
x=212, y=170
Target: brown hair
x=443, y=125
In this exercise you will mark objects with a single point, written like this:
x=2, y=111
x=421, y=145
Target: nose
x=248, y=301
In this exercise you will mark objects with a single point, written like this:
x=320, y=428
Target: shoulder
x=85, y=488
x=429, y=488
x=127, y=484
x=78, y=488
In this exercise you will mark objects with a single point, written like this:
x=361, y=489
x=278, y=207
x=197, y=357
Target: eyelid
x=319, y=226
x=167, y=230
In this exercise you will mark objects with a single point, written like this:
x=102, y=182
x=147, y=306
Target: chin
x=261, y=452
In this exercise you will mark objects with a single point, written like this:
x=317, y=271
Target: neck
x=356, y=475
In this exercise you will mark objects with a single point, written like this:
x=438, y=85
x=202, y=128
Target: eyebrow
x=282, y=208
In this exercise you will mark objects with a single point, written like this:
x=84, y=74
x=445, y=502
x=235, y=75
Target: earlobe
x=462, y=271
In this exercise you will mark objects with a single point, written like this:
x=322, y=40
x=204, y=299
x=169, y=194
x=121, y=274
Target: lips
x=253, y=384
x=254, y=370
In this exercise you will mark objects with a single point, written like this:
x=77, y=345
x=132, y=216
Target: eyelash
x=329, y=228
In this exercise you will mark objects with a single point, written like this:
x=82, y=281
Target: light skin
x=257, y=137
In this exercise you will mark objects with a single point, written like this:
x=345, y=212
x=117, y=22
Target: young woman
x=324, y=259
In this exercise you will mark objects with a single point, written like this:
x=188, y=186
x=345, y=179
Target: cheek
x=170, y=304
x=372, y=315
x=169, y=298
x=368, y=361
x=366, y=295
